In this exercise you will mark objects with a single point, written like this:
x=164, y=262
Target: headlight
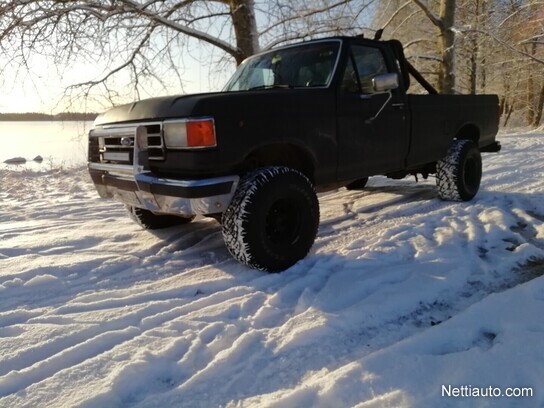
x=189, y=133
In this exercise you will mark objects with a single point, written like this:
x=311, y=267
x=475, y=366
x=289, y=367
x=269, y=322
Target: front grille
x=154, y=142
x=94, y=150
x=116, y=148
x=116, y=144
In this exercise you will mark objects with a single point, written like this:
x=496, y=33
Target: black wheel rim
x=283, y=222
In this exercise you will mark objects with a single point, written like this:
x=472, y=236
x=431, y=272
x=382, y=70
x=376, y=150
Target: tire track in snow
x=15, y=381
x=378, y=216
x=386, y=270
x=147, y=318
x=211, y=364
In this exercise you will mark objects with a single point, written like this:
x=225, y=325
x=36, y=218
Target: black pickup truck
x=309, y=117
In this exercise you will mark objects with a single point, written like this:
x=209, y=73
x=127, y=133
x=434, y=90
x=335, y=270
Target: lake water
x=60, y=143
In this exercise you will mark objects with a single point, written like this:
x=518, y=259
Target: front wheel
x=272, y=220
x=148, y=220
x=458, y=175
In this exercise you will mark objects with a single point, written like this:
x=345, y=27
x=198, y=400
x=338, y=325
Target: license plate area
x=116, y=156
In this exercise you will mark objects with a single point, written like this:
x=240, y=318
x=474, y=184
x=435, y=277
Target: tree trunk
x=509, y=110
x=502, y=104
x=245, y=28
x=446, y=41
x=474, y=65
x=474, y=51
x=483, y=76
x=483, y=21
x=539, y=109
x=530, y=113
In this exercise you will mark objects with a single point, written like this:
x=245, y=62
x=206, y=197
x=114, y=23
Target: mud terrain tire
x=458, y=175
x=272, y=220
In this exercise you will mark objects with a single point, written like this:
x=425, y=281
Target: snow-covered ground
x=403, y=299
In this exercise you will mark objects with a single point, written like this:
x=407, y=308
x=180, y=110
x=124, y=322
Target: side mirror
x=385, y=82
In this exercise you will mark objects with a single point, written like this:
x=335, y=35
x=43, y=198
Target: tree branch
x=435, y=20
x=200, y=35
x=501, y=42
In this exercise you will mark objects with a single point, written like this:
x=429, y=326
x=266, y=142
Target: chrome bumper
x=134, y=185
x=160, y=195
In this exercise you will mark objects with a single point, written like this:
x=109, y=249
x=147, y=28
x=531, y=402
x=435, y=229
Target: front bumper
x=160, y=195
x=137, y=186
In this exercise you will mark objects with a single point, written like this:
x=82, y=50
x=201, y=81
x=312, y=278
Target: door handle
x=398, y=105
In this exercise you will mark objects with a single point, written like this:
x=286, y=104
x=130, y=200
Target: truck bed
x=437, y=119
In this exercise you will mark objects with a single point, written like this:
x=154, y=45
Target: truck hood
x=177, y=106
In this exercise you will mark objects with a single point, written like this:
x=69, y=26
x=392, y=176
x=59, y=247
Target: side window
x=365, y=63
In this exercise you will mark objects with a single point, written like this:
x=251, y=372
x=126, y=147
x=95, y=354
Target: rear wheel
x=148, y=220
x=458, y=175
x=357, y=184
x=272, y=220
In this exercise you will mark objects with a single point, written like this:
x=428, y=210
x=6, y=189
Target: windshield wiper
x=277, y=86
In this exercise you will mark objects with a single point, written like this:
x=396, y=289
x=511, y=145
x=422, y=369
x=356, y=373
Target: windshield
x=309, y=65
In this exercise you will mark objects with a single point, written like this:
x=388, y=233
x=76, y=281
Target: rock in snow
x=404, y=300
x=22, y=160
x=16, y=160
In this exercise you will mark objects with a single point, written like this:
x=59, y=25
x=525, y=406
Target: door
x=369, y=144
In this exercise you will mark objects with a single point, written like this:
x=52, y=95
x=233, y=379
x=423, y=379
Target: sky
x=42, y=89
x=35, y=91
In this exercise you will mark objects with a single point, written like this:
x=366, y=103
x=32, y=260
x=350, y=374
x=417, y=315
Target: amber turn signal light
x=201, y=133
x=189, y=133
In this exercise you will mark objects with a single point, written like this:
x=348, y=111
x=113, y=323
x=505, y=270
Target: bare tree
x=446, y=40
x=473, y=49
x=483, y=46
x=416, y=23
x=519, y=30
x=148, y=39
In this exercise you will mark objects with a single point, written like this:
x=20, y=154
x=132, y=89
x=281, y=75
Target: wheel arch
x=282, y=154
x=468, y=131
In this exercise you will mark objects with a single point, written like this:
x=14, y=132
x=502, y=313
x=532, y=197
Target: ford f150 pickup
x=308, y=117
